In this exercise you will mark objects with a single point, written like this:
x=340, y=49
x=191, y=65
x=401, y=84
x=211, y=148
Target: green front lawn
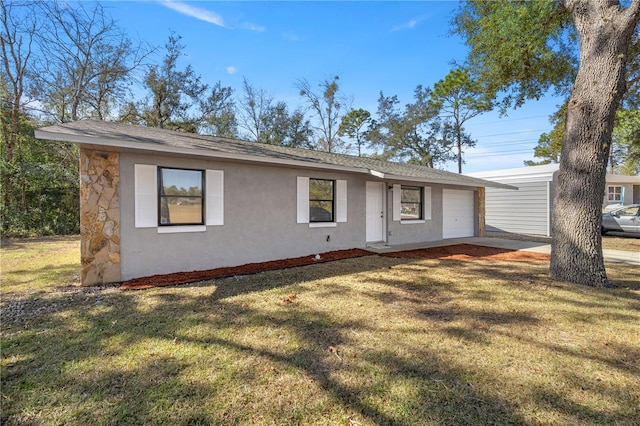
x=363, y=341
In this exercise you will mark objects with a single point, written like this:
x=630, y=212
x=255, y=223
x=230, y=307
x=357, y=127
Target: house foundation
x=99, y=217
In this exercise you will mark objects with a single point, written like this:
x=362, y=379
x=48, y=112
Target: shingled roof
x=108, y=136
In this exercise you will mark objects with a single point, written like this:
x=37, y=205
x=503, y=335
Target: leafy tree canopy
x=519, y=50
x=173, y=91
x=355, y=125
x=458, y=98
x=413, y=134
x=626, y=143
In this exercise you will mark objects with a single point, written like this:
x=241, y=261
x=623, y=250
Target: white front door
x=375, y=211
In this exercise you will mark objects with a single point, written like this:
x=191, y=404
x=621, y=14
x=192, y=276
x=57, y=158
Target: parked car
x=612, y=207
x=625, y=219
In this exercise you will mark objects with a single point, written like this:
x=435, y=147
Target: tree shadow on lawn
x=608, y=301
x=136, y=394
x=126, y=357
x=77, y=356
x=24, y=243
x=623, y=277
x=16, y=277
x=241, y=285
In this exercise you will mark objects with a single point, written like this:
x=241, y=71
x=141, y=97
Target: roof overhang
x=473, y=184
x=95, y=142
x=620, y=179
x=118, y=145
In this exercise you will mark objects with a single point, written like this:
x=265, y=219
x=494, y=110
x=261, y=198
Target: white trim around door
x=375, y=212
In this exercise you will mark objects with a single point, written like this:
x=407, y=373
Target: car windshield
x=628, y=211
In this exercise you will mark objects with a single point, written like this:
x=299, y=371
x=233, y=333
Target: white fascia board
x=376, y=173
x=543, y=171
x=485, y=183
x=147, y=147
x=618, y=179
x=522, y=177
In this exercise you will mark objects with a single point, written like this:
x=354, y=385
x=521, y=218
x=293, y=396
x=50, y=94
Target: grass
x=35, y=265
x=362, y=341
x=621, y=241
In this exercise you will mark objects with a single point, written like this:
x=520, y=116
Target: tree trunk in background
x=459, y=146
x=605, y=33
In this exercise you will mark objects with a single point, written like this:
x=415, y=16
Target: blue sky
x=373, y=46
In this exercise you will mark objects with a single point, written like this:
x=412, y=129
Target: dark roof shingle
x=108, y=134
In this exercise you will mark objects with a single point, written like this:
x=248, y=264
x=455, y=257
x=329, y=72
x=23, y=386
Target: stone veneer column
x=99, y=217
x=482, y=215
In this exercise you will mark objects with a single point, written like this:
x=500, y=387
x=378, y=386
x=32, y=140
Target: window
x=614, y=193
x=321, y=203
x=148, y=191
x=181, y=196
x=411, y=203
x=629, y=211
x=321, y=200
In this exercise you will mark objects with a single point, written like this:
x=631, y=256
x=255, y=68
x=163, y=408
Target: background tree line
x=61, y=64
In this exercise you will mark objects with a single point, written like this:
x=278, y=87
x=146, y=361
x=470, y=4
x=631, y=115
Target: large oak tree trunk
x=605, y=33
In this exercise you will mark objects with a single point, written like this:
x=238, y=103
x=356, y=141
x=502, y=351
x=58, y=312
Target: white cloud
x=194, y=12
x=408, y=26
x=291, y=36
x=252, y=27
x=231, y=69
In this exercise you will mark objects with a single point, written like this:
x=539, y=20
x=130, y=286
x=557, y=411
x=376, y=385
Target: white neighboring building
x=528, y=210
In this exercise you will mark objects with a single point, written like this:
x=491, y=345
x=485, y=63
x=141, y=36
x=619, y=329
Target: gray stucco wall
x=631, y=196
x=260, y=220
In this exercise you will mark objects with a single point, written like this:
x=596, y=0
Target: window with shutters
x=178, y=200
x=411, y=203
x=321, y=200
x=321, y=203
x=181, y=196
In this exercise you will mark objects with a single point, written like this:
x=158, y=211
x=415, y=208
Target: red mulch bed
x=454, y=252
x=469, y=252
x=250, y=268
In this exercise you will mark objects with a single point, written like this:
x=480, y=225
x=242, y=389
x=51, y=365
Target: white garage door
x=457, y=211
